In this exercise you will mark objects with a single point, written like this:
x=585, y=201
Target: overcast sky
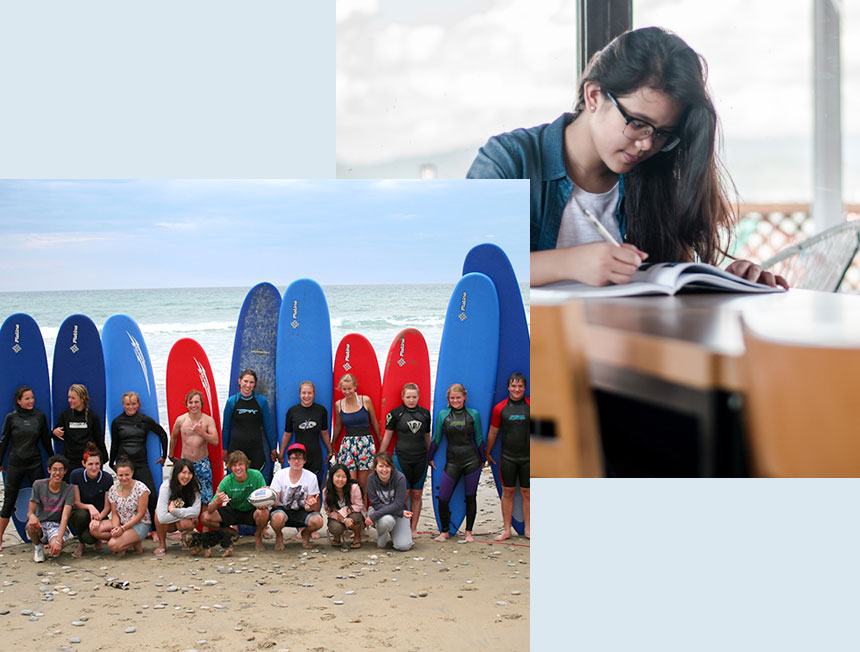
x=425, y=79
x=138, y=234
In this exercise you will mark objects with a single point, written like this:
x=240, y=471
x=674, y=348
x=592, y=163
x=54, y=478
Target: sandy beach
x=436, y=596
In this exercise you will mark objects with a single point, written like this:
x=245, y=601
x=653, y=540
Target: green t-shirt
x=239, y=491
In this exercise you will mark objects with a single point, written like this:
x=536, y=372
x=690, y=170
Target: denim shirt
x=537, y=154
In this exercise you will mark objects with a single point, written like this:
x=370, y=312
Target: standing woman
x=355, y=412
x=129, y=521
x=411, y=422
x=77, y=426
x=639, y=154
x=461, y=427
x=128, y=439
x=308, y=421
x=23, y=431
x=179, y=501
x=248, y=424
x=343, y=505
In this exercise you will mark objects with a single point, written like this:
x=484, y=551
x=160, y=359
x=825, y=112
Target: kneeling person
x=230, y=506
x=298, y=501
x=50, y=508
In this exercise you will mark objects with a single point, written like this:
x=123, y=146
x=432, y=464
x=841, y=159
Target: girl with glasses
x=638, y=154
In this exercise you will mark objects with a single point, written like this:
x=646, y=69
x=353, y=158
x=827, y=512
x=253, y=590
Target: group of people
x=362, y=488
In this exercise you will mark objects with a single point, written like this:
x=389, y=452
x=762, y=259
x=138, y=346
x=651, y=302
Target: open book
x=662, y=278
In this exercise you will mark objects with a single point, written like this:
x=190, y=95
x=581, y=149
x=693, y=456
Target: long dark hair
x=675, y=202
x=331, y=492
x=189, y=492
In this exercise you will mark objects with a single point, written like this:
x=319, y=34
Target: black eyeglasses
x=638, y=129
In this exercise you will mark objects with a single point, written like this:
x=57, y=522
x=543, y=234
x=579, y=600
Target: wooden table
x=686, y=352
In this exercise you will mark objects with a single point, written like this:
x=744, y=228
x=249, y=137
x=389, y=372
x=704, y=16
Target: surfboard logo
x=346, y=365
x=138, y=353
x=462, y=316
x=204, y=379
x=414, y=426
x=401, y=361
x=16, y=346
x=74, y=347
x=295, y=322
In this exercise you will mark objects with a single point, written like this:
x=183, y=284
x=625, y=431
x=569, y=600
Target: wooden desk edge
x=672, y=360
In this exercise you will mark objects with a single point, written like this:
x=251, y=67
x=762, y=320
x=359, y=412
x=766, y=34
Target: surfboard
x=514, y=342
x=188, y=368
x=23, y=361
x=304, y=353
x=468, y=354
x=254, y=348
x=408, y=361
x=129, y=369
x=78, y=358
x=355, y=355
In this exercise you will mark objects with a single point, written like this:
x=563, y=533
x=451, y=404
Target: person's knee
x=315, y=522
x=114, y=545
x=526, y=492
x=261, y=517
x=508, y=492
x=278, y=519
x=185, y=524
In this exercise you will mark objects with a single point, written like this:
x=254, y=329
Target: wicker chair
x=819, y=262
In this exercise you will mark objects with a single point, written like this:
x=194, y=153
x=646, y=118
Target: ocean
x=209, y=316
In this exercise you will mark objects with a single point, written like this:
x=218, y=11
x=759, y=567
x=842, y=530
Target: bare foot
x=443, y=536
x=315, y=535
x=159, y=552
x=279, y=542
x=505, y=535
x=528, y=534
x=138, y=548
x=228, y=552
x=306, y=541
x=78, y=551
x=258, y=545
x=414, y=534
x=469, y=538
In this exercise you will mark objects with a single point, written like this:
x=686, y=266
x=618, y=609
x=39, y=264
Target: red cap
x=297, y=447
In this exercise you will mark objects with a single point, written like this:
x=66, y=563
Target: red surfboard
x=408, y=362
x=188, y=368
x=355, y=355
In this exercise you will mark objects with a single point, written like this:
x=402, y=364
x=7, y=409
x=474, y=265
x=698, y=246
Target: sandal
x=356, y=544
x=159, y=552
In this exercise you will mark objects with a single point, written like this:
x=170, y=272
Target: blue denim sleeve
x=497, y=160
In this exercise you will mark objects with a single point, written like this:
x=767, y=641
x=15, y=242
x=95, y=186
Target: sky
x=419, y=83
x=115, y=234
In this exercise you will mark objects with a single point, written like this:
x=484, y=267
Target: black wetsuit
x=462, y=457
x=80, y=428
x=248, y=431
x=23, y=431
x=128, y=438
x=410, y=451
x=512, y=420
x=306, y=423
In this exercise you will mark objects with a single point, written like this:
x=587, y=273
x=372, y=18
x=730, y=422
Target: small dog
x=203, y=542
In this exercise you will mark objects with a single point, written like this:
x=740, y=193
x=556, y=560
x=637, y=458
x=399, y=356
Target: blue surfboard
x=78, y=358
x=514, y=342
x=304, y=352
x=468, y=354
x=254, y=348
x=129, y=369
x=23, y=361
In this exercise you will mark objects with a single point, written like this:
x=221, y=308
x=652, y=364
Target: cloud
x=347, y=9
x=36, y=241
x=178, y=226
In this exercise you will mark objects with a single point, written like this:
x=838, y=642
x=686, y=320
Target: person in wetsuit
x=411, y=423
x=77, y=426
x=461, y=427
x=308, y=421
x=128, y=439
x=248, y=425
x=510, y=419
x=23, y=430
x=355, y=413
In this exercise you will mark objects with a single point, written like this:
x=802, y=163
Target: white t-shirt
x=576, y=229
x=292, y=496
